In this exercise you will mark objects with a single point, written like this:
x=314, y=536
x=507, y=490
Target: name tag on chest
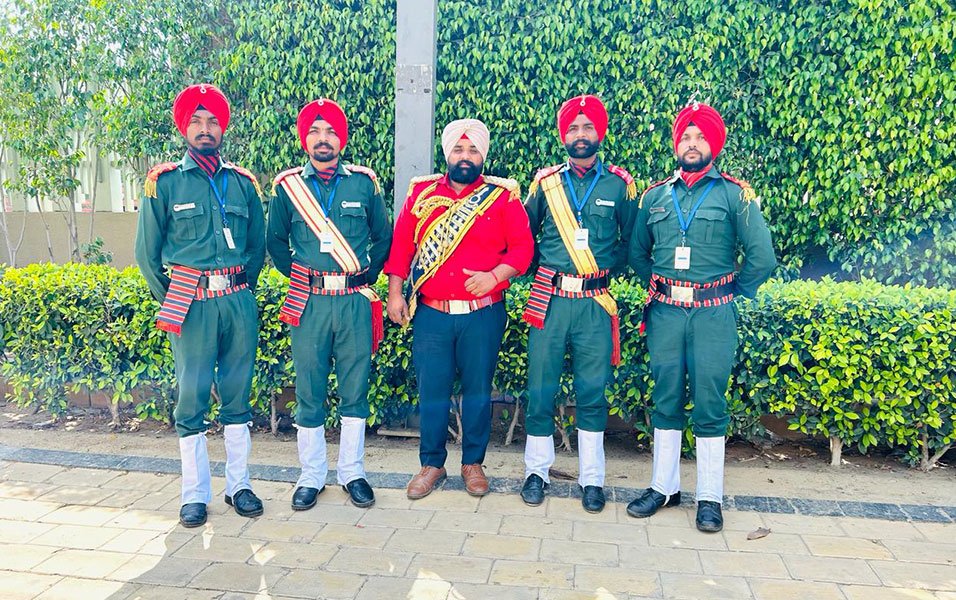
x=347, y=204
x=580, y=239
x=682, y=258
x=325, y=242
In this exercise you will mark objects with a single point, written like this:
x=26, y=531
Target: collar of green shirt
x=310, y=170
x=187, y=163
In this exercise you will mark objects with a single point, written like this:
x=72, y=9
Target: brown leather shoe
x=422, y=484
x=476, y=483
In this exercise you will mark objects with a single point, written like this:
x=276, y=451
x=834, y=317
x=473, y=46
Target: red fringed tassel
x=378, y=324
x=287, y=318
x=532, y=319
x=615, y=340
x=170, y=327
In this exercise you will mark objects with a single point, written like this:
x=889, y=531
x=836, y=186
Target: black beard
x=694, y=166
x=205, y=150
x=324, y=156
x=464, y=171
x=589, y=149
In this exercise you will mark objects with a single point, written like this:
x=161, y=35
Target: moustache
x=466, y=163
x=322, y=146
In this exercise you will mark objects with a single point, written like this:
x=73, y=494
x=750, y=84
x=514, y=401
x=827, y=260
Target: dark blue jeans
x=444, y=345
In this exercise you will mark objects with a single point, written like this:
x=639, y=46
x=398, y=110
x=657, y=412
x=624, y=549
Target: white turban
x=473, y=128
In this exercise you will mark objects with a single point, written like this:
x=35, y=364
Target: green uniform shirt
x=358, y=211
x=183, y=225
x=608, y=216
x=724, y=222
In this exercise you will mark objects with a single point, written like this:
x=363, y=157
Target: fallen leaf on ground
x=758, y=533
x=561, y=475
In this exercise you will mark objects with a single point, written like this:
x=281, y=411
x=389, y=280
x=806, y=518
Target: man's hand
x=480, y=283
x=395, y=305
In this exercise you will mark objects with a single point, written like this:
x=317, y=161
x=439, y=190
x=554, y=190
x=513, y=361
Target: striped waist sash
x=184, y=287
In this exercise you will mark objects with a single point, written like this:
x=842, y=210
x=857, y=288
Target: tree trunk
x=836, y=451
x=514, y=421
x=927, y=462
x=565, y=440
x=273, y=416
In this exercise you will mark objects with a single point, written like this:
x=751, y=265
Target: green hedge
x=864, y=364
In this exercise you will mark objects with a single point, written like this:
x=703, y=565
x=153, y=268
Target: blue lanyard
x=221, y=197
x=684, y=225
x=578, y=205
x=318, y=193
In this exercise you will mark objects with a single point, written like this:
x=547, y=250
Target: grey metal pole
x=415, y=51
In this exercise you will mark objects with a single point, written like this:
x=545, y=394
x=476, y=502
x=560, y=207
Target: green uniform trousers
x=586, y=327
x=335, y=328
x=693, y=347
x=218, y=343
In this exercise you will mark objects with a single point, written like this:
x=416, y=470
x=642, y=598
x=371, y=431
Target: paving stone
x=428, y=541
x=135, y=567
x=83, y=477
x=616, y=533
x=926, y=552
x=704, y=587
x=218, y=548
x=16, y=532
x=570, y=508
x=398, y=519
x=390, y=499
x=130, y=541
x=678, y=516
x=779, y=543
x=467, y=522
x=937, y=532
x=921, y=576
x=379, y=588
x=282, y=531
x=92, y=516
x=825, y=545
x=26, y=586
x=743, y=565
x=683, y=537
x=447, y=502
x=238, y=577
x=171, y=571
x=77, y=536
x=83, y=563
x=872, y=510
x=27, y=510
x=923, y=513
x=782, y=589
x=454, y=569
x=302, y=582
x=293, y=555
x=121, y=499
x=72, y=494
x=543, y=527
x=330, y=513
x=470, y=591
x=764, y=504
x=165, y=544
x=502, y=546
x=353, y=535
x=881, y=530
x=142, y=519
x=579, y=553
x=949, y=511
x=678, y=560
x=29, y=472
x=363, y=562
x=735, y=520
x=229, y=524
x=817, y=508
x=866, y=592
x=801, y=524
x=21, y=557
x=162, y=592
x=156, y=500
x=149, y=482
x=72, y=588
x=510, y=504
x=834, y=570
x=534, y=574
x=24, y=491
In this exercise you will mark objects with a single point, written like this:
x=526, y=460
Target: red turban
x=326, y=110
x=204, y=94
x=591, y=106
x=707, y=120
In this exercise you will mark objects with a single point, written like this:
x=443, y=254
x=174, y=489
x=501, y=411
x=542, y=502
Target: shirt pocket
x=189, y=220
x=237, y=216
x=663, y=226
x=715, y=225
x=353, y=220
x=301, y=234
x=602, y=219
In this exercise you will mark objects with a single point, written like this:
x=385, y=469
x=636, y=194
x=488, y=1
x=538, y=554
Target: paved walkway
x=105, y=531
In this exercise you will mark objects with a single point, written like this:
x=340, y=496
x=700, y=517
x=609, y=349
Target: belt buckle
x=217, y=283
x=459, y=307
x=333, y=282
x=572, y=284
x=682, y=293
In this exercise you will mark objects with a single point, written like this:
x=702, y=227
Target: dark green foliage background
x=872, y=365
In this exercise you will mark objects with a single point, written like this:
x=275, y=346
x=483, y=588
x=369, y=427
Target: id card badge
x=325, y=242
x=580, y=239
x=227, y=233
x=682, y=258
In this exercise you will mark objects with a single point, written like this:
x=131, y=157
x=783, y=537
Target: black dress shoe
x=245, y=503
x=709, y=517
x=304, y=498
x=532, y=492
x=360, y=493
x=593, y=499
x=649, y=502
x=193, y=514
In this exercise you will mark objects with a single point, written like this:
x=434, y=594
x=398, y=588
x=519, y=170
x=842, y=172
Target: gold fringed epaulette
x=278, y=178
x=421, y=179
x=247, y=174
x=651, y=187
x=747, y=193
x=541, y=174
x=368, y=173
x=628, y=180
x=503, y=182
x=149, y=186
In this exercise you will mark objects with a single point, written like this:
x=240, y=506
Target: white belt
x=682, y=293
x=217, y=283
x=575, y=285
